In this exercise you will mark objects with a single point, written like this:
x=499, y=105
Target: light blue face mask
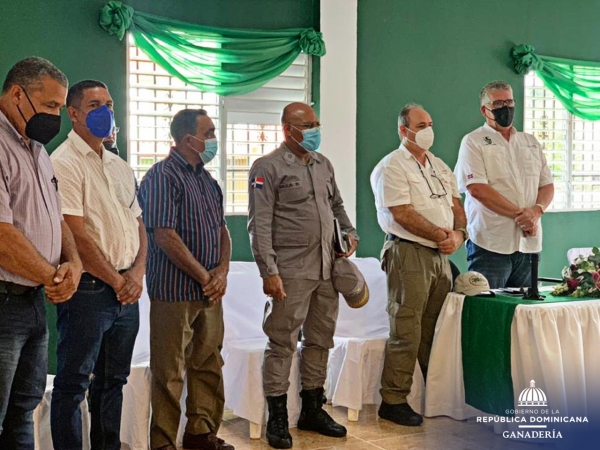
x=211, y=146
x=311, y=138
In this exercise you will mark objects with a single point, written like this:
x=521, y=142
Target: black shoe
x=314, y=418
x=402, y=414
x=278, y=433
x=206, y=441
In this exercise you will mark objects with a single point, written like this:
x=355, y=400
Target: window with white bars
x=571, y=146
x=248, y=126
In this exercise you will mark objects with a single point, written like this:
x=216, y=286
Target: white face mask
x=423, y=138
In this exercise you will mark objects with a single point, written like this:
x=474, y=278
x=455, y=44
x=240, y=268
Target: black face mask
x=41, y=127
x=504, y=116
x=111, y=146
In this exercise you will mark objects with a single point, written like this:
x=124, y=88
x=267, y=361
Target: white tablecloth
x=555, y=344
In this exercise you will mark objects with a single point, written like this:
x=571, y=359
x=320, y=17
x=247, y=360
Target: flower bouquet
x=582, y=278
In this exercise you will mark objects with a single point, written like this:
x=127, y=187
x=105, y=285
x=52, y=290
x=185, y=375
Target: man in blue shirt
x=188, y=262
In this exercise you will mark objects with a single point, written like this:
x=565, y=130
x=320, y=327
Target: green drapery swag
x=220, y=60
x=576, y=84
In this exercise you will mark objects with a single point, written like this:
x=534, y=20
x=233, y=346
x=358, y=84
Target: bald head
x=298, y=112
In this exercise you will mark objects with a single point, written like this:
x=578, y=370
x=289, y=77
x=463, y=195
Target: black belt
x=6, y=287
x=393, y=237
x=88, y=276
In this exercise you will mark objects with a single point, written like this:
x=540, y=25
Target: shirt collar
x=182, y=162
x=5, y=123
x=80, y=145
x=486, y=127
x=290, y=157
x=407, y=154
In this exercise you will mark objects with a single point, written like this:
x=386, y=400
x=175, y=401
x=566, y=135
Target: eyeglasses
x=306, y=125
x=434, y=175
x=501, y=103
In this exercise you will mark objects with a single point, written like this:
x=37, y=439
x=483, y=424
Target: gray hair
x=490, y=87
x=403, y=116
x=29, y=73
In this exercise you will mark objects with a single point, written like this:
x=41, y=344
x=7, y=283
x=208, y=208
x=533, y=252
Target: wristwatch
x=464, y=232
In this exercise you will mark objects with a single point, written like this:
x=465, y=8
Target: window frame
x=221, y=169
x=569, y=121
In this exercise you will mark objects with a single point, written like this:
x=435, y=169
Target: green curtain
x=576, y=84
x=219, y=60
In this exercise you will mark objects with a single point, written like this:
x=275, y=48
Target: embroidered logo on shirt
x=470, y=176
x=258, y=182
x=487, y=140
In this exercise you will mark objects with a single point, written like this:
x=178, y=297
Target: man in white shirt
x=419, y=209
x=98, y=326
x=508, y=187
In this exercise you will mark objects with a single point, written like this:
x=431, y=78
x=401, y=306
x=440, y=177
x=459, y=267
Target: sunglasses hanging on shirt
x=434, y=175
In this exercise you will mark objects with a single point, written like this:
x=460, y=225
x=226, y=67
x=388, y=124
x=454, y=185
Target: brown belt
x=6, y=287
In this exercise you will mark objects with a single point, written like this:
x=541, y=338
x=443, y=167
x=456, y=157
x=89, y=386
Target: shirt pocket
x=532, y=166
x=418, y=190
x=446, y=181
x=496, y=162
x=124, y=191
x=292, y=194
x=329, y=184
x=290, y=239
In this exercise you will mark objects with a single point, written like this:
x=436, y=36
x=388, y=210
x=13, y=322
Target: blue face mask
x=211, y=146
x=311, y=138
x=101, y=122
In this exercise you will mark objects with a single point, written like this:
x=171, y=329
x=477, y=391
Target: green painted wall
x=66, y=32
x=440, y=53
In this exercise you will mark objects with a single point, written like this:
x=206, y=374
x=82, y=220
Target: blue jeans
x=23, y=366
x=96, y=335
x=513, y=270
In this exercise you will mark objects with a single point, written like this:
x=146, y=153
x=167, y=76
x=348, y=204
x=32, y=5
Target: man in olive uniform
x=293, y=202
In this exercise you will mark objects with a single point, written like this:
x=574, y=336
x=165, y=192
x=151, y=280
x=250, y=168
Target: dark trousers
x=23, y=366
x=513, y=270
x=96, y=335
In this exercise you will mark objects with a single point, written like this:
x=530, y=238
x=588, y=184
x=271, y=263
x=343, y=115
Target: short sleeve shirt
x=399, y=179
x=516, y=169
x=29, y=197
x=174, y=194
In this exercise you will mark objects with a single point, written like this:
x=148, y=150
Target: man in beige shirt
x=419, y=209
x=98, y=327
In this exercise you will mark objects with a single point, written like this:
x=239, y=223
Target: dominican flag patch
x=258, y=182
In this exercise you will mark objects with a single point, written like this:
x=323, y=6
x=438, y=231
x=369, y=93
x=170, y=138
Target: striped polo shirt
x=175, y=195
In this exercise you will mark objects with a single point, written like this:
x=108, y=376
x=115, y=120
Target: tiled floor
x=372, y=433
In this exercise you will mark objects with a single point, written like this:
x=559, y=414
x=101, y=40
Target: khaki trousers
x=312, y=305
x=418, y=280
x=185, y=338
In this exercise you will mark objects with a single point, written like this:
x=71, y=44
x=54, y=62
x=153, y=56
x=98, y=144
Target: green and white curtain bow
x=220, y=60
x=576, y=84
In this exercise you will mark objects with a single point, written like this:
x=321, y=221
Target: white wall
x=338, y=95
